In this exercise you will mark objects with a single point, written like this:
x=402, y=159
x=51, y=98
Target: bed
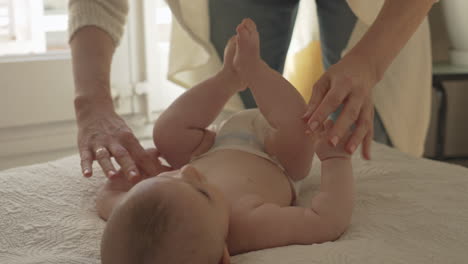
x=408, y=210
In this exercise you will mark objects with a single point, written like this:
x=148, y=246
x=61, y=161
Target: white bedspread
x=407, y=211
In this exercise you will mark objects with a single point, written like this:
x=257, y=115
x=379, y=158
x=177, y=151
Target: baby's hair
x=139, y=229
x=142, y=222
x=147, y=227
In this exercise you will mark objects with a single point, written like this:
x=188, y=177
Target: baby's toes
x=230, y=49
x=250, y=25
x=242, y=32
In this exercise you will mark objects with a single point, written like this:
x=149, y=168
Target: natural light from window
x=33, y=26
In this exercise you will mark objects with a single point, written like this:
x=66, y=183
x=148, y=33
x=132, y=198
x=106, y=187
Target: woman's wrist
x=87, y=105
x=362, y=57
x=388, y=34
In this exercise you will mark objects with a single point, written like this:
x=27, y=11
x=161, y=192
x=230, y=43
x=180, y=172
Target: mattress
x=408, y=210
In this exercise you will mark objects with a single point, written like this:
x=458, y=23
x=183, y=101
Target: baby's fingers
x=328, y=125
x=319, y=90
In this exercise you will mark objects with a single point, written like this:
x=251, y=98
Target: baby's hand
x=325, y=150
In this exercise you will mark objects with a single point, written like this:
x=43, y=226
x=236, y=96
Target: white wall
x=37, y=120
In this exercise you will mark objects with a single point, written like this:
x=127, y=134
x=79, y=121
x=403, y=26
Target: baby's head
x=175, y=217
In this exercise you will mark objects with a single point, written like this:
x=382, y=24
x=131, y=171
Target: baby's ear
x=226, y=259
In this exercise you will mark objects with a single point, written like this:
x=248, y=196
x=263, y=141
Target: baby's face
x=190, y=191
x=190, y=197
x=197, y=215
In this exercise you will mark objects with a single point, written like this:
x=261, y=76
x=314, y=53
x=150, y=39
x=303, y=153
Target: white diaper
x=246, y=131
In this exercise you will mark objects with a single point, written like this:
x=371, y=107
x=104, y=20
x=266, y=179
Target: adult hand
x=348, y=83
x=103, y=134
x=154, y=154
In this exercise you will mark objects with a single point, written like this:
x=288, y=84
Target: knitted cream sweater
x=108, y=15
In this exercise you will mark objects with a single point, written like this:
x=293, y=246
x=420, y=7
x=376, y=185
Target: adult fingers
x=103, y=157
x=142, y=158
x=123, y=158
x=362, y=130
x=86, y=163
x=339, y=89
x=324, y=129
x=328, y=124
x=154, y=154
x=366, y=144
x=351, y=112
x=319, y=90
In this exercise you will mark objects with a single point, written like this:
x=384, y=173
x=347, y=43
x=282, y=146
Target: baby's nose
x=191, y=173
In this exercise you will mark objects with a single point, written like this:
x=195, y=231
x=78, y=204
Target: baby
x=233, y=190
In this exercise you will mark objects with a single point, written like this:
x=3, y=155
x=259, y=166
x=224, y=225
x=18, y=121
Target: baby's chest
x=238, y=174
x=270, y=187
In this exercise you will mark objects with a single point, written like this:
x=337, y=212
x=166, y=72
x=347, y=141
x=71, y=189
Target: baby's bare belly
x=237, y=174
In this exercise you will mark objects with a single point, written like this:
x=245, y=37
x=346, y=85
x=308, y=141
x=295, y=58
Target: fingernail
x=313, y=126
x=334, y=140
x=111, y=173
x=133, y=174
x=352, y=148
x=86, y=172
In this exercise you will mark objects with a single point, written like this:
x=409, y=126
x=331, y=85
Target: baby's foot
x=228, y=66
x=247, y=56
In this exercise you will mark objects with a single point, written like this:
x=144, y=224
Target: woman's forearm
x=393, y=27
x=92, y=51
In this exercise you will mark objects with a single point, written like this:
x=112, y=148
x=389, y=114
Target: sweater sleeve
x=108, y=15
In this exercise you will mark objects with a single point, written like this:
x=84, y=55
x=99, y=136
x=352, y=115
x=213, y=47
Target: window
x=37, y=83
x=158, y=26
x=33, y=26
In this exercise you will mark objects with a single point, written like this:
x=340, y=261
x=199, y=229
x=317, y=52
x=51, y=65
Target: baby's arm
x=335, y=201
x=270, y=225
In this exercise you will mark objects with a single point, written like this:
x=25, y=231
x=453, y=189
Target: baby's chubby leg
x=278, y=101
x=181, y=129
